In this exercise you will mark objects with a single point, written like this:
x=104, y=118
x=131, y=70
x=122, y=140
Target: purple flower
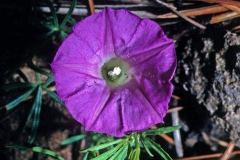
x=114, y=72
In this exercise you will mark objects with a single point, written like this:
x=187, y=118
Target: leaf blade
x=37, y=105
x=53, y=11
x=18, y=100
x=49, y=80
x=107, y=154
x=12, y=86
x=162, y=130
x=121, y=153
x=73, y=139
x=69, y=13
x=158, y=149
x=47, y=152
x=35, y=68
x=146, y=148
x=54, y=96
x=101, y=146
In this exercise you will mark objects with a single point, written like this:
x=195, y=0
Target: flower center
x=115, y=72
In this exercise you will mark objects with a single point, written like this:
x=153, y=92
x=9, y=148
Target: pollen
x=116, y=71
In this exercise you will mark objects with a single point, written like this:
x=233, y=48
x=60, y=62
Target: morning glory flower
x=114, y=72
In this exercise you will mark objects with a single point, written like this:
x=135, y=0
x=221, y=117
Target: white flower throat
x=115, y=72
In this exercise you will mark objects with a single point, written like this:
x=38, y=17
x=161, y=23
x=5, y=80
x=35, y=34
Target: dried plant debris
x=213, y=78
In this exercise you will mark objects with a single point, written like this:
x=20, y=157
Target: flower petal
x=74, y=66
x=98, y=36
x=147, y=49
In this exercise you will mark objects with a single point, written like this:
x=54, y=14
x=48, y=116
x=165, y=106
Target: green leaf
x=101, y=146
x=12, y=86
x=37, y=106
x=136, y=155
x=22, y=75
x=54, y=96
x=53, y=11
x=107, y=154
x=47, y=25
x=30, y=114
x=162, y=130
x=49, y=80
x=146, y=148
x=69, y=13
x=47, y=152
x=73, y=139
x=130, y=149
x=72, y=21
x=158, y=149
x=86, y=156
x=18, y=147
x=131, y=155
x=33, y=67
x=91, y=155
x=49, y=33
x=15, y=102
x=39, y=150
x=121, y=153
x=37, y=75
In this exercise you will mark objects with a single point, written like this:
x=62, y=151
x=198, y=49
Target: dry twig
x=233, y=8
x=228, y=151
x=197, y=11
x=218, y=141
x=230, y=2
x=208, y=156
x=224, y=17
x=175, y=109
x=91, y=6
x=182, y=15
x=175, y=97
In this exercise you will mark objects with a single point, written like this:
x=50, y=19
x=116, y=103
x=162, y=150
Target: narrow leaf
x=37, y=75
x=121, y=153
x=158, y=149
x=72, y=21
x=15, y=102
x=30, y=114
x=146, y=148
x=162, y=130
x=49, y=80
x=33, y=67
x=130, y=149
x=69, y=13
x=18, y=147
x=22, y=75
x=136, y=154
x=37, y=105
x=53, y=11
x=73, y=139
x=47, y=152
x=53, y=95
x=12, y=86
x=107, y=154
x=101, y=146
x=131, y=155
x=86, y=156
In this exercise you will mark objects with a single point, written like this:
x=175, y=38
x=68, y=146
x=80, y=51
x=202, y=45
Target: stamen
x=116, y=71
